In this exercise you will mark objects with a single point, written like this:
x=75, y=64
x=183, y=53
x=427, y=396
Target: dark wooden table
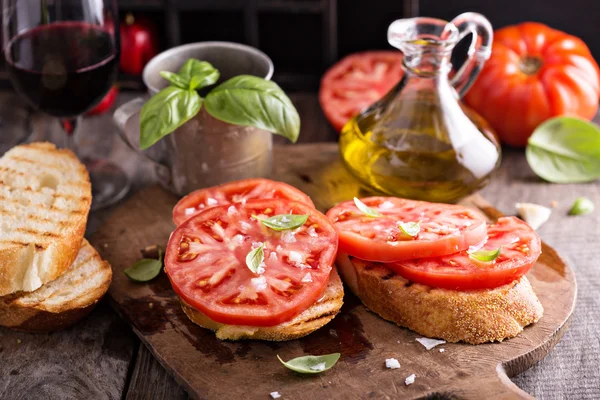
x=100, y=358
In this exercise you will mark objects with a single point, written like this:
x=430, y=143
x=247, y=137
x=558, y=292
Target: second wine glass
x=63, y=57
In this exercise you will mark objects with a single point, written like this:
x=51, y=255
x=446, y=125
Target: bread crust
x=45, y=316
x=474, y=317
x=27, y=266
x=311, y=319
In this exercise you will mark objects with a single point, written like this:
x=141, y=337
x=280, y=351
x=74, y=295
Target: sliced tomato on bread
x=235, y=192
x=519, y=248
x=384, y=236
x=206, y=262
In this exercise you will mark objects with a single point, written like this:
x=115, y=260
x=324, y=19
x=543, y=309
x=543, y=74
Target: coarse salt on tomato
x=235, y=192
x=206, y=263
x=444, y=229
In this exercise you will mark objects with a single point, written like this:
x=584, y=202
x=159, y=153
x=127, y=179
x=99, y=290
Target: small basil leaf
x=198, y=74
x=146, y=269
x=582, y=206
x=255, y=258
x=252, y=101
x=166, y=111
x=565, y=150
x=368, y=211
x=311, y=364
x=284, y=222
x=485, y=255
x=411, y=229
x=174, y=79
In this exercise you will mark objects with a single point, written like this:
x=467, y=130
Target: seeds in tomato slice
x=211, y=273
x=442, y=229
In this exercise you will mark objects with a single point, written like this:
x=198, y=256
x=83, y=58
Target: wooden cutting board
x=213, y=369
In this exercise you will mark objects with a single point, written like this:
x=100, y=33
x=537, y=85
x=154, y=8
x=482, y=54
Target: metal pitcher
x=204, y=151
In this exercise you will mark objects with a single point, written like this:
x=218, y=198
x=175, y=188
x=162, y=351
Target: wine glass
x=62, y=56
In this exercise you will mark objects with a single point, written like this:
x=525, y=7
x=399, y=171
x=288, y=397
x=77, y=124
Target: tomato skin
x=459, y=272
x=186, y=275
x=223, y=195
x=139, y=43
x=106, y=103
x=360, y=238
x=357, y=81
x=515, y=101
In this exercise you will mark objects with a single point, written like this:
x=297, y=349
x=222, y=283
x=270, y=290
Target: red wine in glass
x=62, y=57
x=64, y=68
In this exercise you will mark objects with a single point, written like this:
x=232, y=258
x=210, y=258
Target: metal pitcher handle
x=131, y=136
x=479, y=50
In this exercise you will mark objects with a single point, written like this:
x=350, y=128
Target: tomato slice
x=206, y=262
x=444, y=229
x=235, y=192
x=356, y=82
x=520, y=248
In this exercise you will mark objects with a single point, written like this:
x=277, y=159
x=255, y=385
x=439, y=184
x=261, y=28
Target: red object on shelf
x=106, y=103
x=139, y=43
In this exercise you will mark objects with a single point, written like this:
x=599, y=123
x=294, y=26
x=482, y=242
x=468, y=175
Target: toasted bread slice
x=475, y=317
x=62, y=302
x=45, y=197
x=303, y=324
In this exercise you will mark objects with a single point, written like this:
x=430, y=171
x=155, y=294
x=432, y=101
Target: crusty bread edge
x=474, y=317
x=313, y=318
x=39, y=318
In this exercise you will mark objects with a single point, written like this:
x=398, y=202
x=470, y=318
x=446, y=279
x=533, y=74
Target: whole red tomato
x=139, y=43
x=106, y=103
x=535, y=72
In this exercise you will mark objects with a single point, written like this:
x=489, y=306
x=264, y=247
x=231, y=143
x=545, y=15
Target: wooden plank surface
x=365, y=340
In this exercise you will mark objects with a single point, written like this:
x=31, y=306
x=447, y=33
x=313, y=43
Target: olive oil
x=419, y=141
x=415, y=156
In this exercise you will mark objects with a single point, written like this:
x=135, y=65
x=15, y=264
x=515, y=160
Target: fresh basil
x=582, y=206
x=411, y=229
x=146, y=269
x=311, y=364
x=255, y=258
x=284, y=222
x=485, y=255
x=166, y=111
x=252, y=101
x=368, y=211
x=198, y=74
x=175, y=79
x=565, y=150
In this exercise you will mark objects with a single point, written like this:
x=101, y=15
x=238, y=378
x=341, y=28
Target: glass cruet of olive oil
x=419, y=141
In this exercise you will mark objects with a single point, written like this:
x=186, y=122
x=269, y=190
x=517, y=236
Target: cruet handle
x=479, y=50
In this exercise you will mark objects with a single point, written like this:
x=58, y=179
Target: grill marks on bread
x=41, y=191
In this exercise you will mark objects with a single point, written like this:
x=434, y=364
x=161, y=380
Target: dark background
x=303, y=37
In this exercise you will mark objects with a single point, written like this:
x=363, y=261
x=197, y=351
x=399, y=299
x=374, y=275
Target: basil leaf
x=485, y=255
x=582, y=206
x=198, y=74
x=411, y=229
x=565, y=150
x=368, y=211
x=146, y=269
x=311, y=364
x=252, y=101
x=175, y=79
x=255, y=258
x=283, y=222
x=166, y=111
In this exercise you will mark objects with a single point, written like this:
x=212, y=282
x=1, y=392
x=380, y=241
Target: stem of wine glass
x=69, y=126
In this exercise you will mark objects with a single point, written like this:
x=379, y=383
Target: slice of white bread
x=45, y=197
x=476, y=316
x=62, y=302
x=311, y=319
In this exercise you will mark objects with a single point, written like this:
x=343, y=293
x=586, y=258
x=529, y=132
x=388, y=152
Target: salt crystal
x=430, y=343
x=211, y=202
x=410, y=380
x=275, y=395
x=307, y=278
x=392, y=363
x=231, y=210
